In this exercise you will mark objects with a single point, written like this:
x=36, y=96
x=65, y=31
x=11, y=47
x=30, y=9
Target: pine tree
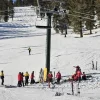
x=11, y=5
x=90, y=9
x=4, y=10
x=18, y=3
x=97, y=8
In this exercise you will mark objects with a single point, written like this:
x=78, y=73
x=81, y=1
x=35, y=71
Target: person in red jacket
x=50, y=76
x=22, y=81
x=79, y=73
x=75, y=77
x=78, y=68
x=32, y=78
x=58, y=76
x=19, y=79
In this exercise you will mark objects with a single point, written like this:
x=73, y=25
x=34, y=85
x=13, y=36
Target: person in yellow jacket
x=2, y=77
x=26, y=78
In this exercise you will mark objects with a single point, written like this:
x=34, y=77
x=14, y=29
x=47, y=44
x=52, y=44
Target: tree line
x=82, y=13
x=18, y=3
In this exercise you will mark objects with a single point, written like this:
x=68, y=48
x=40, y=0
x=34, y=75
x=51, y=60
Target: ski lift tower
x=49, y=13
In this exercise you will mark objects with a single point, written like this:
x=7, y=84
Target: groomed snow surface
x=15, y=38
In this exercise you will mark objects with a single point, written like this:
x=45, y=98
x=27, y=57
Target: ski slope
x=15, y=38
x=22, y=24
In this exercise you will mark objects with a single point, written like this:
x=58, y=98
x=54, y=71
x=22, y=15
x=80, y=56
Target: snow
x=15, y=38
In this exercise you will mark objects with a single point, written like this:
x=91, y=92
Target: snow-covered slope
x=65, y=53
x=22, y=25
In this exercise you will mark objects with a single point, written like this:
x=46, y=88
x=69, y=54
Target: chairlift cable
x=84, y=13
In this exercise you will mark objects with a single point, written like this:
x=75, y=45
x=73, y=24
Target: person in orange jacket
x=58, y=76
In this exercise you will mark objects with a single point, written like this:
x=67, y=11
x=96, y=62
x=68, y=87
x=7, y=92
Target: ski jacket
x=50, y=75
x=26, y=74
x=75, y=77
x=29, y=49
x=22, y=77
x=78, y=73
x=2, y=75
x=58, y=75
x=19, y=77
x=32, y=76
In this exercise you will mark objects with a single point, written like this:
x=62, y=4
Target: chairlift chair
x=41, y=26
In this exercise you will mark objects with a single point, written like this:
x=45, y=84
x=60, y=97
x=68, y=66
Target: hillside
x=15, y=38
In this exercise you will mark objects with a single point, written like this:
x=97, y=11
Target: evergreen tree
x=18, y=3
x=4, y=9
x=90, y=23
x=97, y=8
x=11, y=5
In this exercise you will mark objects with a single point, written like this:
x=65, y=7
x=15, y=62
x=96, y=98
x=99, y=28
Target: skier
x=32, y=78
x=26, y=78
x=19, y=79
x=29, y=50
x=58, y=76
x=50, y=76
x=2, y=77
x=75, y=77
x=41, y=74
x=78, y=68
x=22, y=81
x=78, y=73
